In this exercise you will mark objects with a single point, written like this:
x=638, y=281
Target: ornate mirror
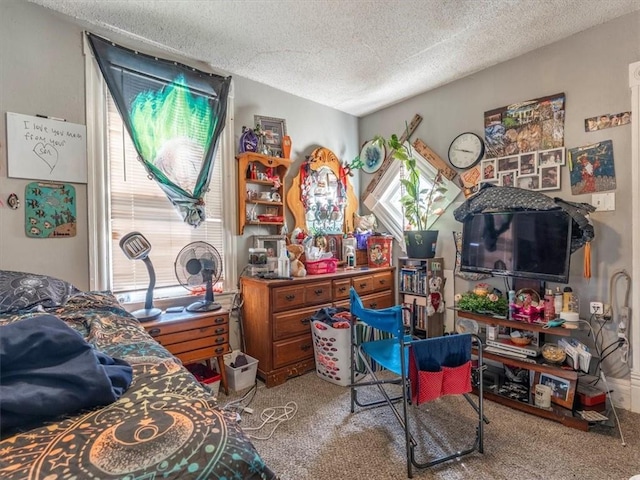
x=321, y=197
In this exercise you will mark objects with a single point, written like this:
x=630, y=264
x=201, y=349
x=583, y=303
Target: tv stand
x=556, y=413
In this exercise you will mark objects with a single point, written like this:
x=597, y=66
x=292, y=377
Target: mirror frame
x=321, y=157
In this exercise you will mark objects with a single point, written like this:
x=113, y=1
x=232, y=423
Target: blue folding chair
x=391, y=352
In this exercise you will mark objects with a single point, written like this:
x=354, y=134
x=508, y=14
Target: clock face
x=466, y=150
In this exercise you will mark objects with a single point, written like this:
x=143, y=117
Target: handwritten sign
x=46, y=149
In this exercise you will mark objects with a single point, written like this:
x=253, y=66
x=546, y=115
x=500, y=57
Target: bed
x=165, y=425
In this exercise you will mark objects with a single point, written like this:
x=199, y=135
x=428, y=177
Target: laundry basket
x=332, y=346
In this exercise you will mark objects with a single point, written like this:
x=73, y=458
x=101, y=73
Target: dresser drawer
x=317, y=293
x=290, y=324
x=341, y=289
x=363, y=284
x=203, y=353
x=382, y=281
x=378, y=300
x=287, y=298
x=293, y=350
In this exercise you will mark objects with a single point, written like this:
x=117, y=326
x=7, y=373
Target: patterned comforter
x=165, y=426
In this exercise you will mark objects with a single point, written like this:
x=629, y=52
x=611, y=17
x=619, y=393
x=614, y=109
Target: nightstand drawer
x=196, y=324
x=205, y=333
x=203, y=354
x=294, y=350
x=197, y=343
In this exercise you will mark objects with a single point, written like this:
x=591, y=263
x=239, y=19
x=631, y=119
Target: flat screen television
x=526, y=244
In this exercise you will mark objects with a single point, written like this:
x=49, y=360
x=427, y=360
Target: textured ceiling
x=357, y=56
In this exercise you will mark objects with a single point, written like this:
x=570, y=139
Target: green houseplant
x=419, y=202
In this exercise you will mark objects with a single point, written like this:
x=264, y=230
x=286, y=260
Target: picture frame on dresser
x=563, y=390
x=274, y=130
x=270, y=242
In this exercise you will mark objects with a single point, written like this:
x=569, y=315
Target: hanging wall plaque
x=50, y=210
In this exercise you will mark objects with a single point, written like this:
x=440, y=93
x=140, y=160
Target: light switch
x=604, y=202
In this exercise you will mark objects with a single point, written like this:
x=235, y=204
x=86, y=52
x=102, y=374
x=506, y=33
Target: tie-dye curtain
x=175, y=115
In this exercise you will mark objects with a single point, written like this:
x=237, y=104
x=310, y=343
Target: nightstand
x=194, y=337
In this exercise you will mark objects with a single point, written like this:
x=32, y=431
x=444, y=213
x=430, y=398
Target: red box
x=379, y=250
x=590, y=396
x=203, y=373
x=326, y=265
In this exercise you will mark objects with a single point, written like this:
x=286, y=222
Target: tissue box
x=379, y=250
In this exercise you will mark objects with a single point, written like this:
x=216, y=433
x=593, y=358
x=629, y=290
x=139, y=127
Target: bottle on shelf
x=349, y=241
x=566, y=299
x=350, y=258
x=549, y=309
x=284, y=265
x=557, y=302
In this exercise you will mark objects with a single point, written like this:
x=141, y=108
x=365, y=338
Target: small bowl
x=553, y=353
x=521, y=341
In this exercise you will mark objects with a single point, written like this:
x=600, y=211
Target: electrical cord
x=272, y=415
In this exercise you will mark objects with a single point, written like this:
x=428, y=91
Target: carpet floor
x=325, y=441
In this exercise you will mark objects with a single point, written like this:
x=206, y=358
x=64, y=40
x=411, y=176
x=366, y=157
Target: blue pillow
x=23, y=291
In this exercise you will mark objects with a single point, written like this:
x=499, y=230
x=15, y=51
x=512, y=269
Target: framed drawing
x=273, y=129
x=550, y=178
x=529, y=182
x=563, y=390
x=270, y=242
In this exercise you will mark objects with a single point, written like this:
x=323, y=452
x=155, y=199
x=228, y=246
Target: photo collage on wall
x=524, y=144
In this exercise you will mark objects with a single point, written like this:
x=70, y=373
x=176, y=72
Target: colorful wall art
x=592, y=168
x=50, y=210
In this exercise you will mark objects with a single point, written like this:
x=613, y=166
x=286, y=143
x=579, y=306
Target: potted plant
x=419, y=202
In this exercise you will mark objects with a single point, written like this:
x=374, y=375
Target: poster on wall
x=528, y=126
x=592, y=168
x=50, y=210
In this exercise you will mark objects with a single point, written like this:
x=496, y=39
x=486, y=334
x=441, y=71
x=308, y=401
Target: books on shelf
x=421, y=316
x=414, y=280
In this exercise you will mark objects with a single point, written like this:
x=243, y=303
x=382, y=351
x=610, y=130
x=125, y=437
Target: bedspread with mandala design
x=166, y=426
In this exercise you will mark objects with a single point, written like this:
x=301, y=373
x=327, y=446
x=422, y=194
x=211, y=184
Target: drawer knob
x=219, y=340
x=154, y=331
x=305, y=347
x=219, y=350
x=373, y=305
x=219, y=320
x=382, y=282
x=290, y=297
x=219, y=331
x=318, y=291
x=362, y=285
x=305, y=321
x=342, y=289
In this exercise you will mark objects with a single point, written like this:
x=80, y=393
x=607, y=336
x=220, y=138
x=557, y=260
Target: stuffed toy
x=435, y=302
x=297, y=267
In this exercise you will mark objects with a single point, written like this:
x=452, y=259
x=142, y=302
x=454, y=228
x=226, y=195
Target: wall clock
x=466, y=150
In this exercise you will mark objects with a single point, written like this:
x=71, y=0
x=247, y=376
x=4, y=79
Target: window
x=384, y=200
x=125, y=199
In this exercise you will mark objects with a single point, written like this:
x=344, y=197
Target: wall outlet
x=596, y=308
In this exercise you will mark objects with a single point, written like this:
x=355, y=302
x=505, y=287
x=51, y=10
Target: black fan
x=197, y=264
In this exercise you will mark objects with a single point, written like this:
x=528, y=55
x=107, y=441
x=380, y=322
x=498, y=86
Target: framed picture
x=270, y=242
x=508, y=179
x=550, y=178
x=529, y=182
x=508, y=163
x=547, y=158
x=528, y=164
x=488, y=170
x=563, y=390
x=334, y=245
x=274, y=129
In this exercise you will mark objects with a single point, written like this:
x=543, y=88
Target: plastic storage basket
x=332, y=351
x=326, y=265
x=243, y=376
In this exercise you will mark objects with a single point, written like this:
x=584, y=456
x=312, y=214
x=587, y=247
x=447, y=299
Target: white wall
x=591, y=68
x=42, y=72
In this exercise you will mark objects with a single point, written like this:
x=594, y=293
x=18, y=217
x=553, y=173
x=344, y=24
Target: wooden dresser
x=276, y=315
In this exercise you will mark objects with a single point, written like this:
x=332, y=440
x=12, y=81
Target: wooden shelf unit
x=413, y=283
x=262, y=163
x=556, y=412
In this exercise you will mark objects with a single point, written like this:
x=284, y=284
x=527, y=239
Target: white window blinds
x=138, y=204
